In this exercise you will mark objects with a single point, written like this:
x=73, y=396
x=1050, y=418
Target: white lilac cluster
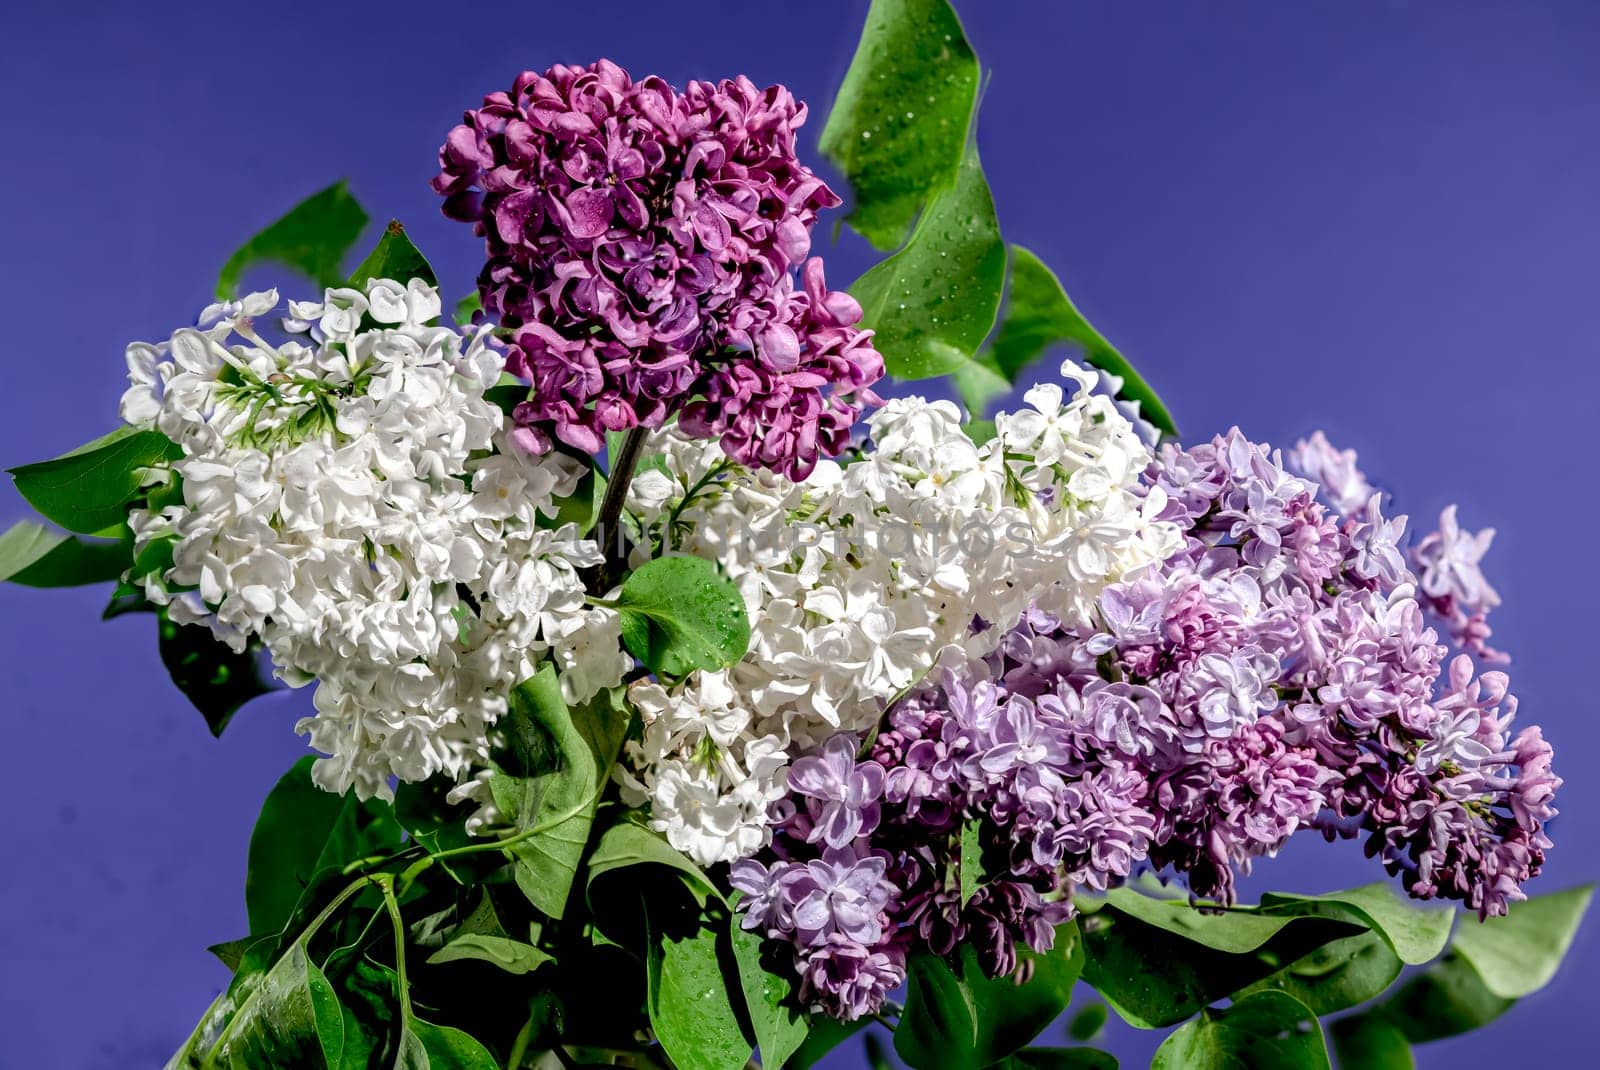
x=345, y=502
x=859, y=578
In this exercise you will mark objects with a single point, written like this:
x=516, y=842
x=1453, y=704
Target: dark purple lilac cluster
x=1278, y=673
x=643, y=249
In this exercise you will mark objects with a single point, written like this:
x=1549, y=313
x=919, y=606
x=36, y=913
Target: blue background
x=1376, y=218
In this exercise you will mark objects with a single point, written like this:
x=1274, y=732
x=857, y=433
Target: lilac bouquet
x=686, y=693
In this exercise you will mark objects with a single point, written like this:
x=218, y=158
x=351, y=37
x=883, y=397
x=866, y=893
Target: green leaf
x=215, y=679
x=395, y=257
x=34, y=556
x=1157, y=962
x=1010, y=1015
x=1368, y=1042
x=551, y=781
x=303, y=830
x=88, y=490
x=1416, y=933
x=680, y=614
x=279, y=1010
x=826, y=1034
x=312, y=238
x=780, y=1027
x=1336, y=976
x=689, y=990
x=482, y=937
x=582, y=506
x=903, y=113
x=1038, y=315
x=512, y=956
x=970, y=862
x=981, y=432
x=1058, y=1059
x=940, y=1025
x=438, y=825
x=1445, y=1000
x=425, y=1046
x=1518, y=954
x=1455, y=995
x=1266, y=1031
x=629, y=843
x=466, y=308
x=935, y=301
x=969, y=1020
x=1353, y=970
x=1088, y=1023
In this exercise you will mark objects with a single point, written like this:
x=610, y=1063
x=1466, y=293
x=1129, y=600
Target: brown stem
x=606, y=526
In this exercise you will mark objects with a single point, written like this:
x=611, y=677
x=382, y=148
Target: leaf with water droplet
x=895, y=157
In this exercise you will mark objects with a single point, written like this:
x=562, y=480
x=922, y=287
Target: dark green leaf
x=231, y=953
x=216, y=679
x=903, y=113
x=88, y=490
x=1088, y=1023
x=34, y=556
x=780, y=1027
x=425, y=1046
x=551, y=780
x=826, y=1034
x=437, y=824
x=395, y=257
x=629, y=843
x=303, y=830
x=935, y=301
x=582, y=506
x=1518, y=954
x=1058, y=1059
x=1446, y=999
x=512, y=956
x=1368, y=1042
x=1010, y=1015
x=872, y=1049
x=939, y=1028
x=1266, y=1031
x=1038, y=315
x=1416, y=933
x=1158, y=962
x=312, y=239
x=680, y=614
x=277, y=1012
x=1339, y=975
x=690, y=985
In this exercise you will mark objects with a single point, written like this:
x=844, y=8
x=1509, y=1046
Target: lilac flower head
x=655, y=236
x=840, y=793
x=1343, y=485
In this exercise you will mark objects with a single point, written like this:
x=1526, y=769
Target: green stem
x=412, y=872
x=392, y=905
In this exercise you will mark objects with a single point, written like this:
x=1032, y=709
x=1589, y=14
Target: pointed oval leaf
x=1518, y=954
x=312, y=238
x=1266, y=1031
x=901, y=119
x=88, y=490
x=34, y=556
x=680, y=614
x=395, y=257
x=934, y=302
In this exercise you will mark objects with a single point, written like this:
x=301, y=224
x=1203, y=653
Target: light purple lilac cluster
x=643, y=250
x=1277, y=674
